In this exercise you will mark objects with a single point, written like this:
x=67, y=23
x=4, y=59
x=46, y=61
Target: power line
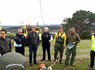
x=41, y=12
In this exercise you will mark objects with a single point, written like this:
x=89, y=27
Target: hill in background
x=13, y=29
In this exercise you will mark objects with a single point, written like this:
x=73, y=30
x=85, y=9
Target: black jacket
x=46, y=36
x=5, y=45
x=20, y=39
x=33, y=38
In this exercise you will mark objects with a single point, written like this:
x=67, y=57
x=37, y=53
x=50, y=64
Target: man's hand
x=53, y=45
x=73, y=43
x=64, y=46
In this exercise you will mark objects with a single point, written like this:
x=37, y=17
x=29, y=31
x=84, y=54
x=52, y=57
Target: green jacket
x=73, y=38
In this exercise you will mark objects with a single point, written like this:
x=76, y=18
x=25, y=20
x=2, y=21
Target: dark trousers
x=20, y=50
x=60, y=50
x=32, y=50
x=46, y=46
x=70, y=52
x=92, y=56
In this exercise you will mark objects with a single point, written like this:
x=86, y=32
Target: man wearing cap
x=73, y=38
x=92, y=52
x=46, y=36
x=5, y=43
x=59, y=43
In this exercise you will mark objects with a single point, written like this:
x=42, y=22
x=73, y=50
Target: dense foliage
x=83, y=21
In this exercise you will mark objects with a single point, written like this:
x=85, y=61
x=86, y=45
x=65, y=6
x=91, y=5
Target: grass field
x=81, y=61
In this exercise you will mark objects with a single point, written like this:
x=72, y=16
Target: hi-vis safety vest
x=93, y=43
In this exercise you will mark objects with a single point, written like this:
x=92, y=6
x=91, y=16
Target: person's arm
x=43, y=36
x=49, y=36
x=54, y=40
x=28, y=37
x=23, y=40
x=78, y=39
x=38, y=39
x=10, y=46
x=64, y=35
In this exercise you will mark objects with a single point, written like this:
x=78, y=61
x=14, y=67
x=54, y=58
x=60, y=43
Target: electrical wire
x=41, y=12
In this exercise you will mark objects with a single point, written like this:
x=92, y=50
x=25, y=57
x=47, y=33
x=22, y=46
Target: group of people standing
x=60, y=42
x=32, y=40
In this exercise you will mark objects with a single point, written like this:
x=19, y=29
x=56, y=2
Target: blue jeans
x=32, y=50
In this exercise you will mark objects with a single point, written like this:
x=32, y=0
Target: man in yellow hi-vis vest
x=92, y=52
x=59, y=43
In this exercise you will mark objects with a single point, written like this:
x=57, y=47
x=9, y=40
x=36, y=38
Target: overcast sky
x=17, y=12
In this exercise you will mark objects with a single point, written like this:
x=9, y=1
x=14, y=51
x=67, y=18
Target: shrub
x=10, y=35
x=86, y=35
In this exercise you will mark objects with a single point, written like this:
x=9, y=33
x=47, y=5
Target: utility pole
x=41, y=12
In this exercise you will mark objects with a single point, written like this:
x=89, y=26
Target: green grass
x=81, y=61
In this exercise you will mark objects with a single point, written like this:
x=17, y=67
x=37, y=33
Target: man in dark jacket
x=5, y=43
x=46, y=36
x=33, y=41
x=20, y=40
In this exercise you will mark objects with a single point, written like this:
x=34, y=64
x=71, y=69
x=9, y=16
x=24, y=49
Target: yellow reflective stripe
x=93, y=48
x=93, y=38
x=93, y=43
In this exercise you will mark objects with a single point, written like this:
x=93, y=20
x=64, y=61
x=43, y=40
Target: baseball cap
x=60, y=27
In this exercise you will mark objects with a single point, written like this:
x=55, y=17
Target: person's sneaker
x=91, y=68
x=72, y=65
x=65, y=64
x=54, y=60
x=42, y=60
x=49, y=60
x=30, y=64
x=36, y=63
x=60, y=62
